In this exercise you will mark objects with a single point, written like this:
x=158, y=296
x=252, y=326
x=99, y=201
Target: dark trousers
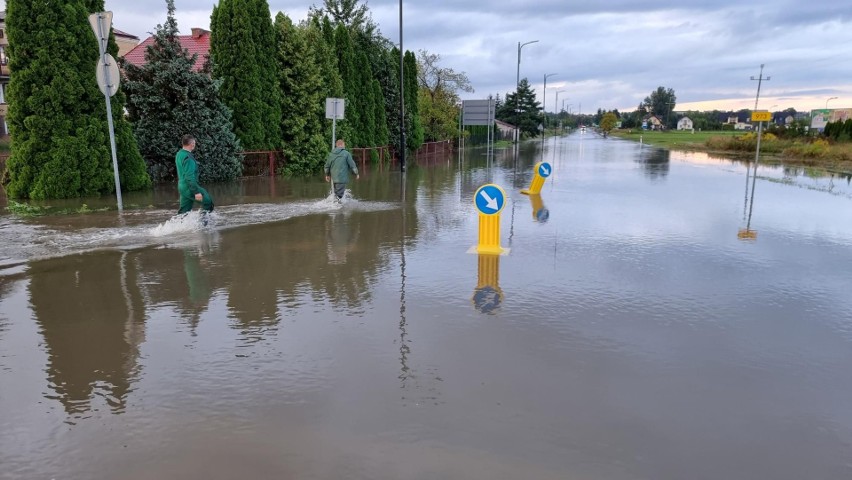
x=187, y=200
x=339, y=190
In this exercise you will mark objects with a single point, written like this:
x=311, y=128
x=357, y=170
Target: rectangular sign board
x=478, y=112
x=761, y=116
x=334, y=108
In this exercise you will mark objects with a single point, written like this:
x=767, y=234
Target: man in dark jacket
x=337, y=168
x=187, y=170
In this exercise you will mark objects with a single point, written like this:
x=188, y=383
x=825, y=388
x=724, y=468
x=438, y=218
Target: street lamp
x=556, y=103
x=518, y=86
x=401, y=96
x=544, y=92
x=828, y=100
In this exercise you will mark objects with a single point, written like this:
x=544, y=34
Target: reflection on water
x=655, y=162
x=91, y=315
x=627, y=335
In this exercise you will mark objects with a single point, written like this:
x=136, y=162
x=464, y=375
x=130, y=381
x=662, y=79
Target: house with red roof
x=198, y=42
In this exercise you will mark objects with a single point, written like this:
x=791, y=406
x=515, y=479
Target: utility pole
x=760, y=80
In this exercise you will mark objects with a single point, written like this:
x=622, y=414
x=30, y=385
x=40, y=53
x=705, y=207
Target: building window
x=4, y=60
x=2, y=93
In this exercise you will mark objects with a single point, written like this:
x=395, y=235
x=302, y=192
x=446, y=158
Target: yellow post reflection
x=488, y=296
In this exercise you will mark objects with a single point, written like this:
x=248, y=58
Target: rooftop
x=198, y=42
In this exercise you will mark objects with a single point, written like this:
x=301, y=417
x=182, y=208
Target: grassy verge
x=836, y=157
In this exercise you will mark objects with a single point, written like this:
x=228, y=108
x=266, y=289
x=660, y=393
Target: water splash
x=194, y=221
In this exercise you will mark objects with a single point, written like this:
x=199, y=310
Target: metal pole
x=828, y=100
x=517, y=88
x=334, y=124
x=401, y=95
x=108, y=82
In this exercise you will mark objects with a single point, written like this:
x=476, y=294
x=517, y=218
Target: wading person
x=187, y=170
x=337, y=168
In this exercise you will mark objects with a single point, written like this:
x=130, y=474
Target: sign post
x=542, y=171
x=108, y=79
x=334, y=109
x=489, y=200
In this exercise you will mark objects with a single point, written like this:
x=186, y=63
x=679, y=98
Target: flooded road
x=644, y=326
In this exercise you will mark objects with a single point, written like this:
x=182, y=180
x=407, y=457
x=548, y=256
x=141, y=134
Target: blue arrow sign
x=544, y=169
x=489, y=199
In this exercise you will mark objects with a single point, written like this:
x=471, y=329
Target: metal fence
x=266, y=163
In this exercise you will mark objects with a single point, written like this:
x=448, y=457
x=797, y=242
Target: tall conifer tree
x=347, y=66
x=242, y=53
x=302, y=99
x=414, y=130
x=167, y=100
x=57, y=117
x=320, y=38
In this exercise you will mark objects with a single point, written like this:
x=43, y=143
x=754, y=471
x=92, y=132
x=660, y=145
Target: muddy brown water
x=633, y=332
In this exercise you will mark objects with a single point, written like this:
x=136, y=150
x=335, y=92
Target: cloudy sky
x=608, y=54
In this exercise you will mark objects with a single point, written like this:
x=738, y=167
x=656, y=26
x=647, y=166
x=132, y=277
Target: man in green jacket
x=187, y=170
x=337, y=168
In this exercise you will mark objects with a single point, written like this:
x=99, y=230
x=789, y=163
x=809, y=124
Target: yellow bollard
x=542, y=171
x=489, y=235
x=489, y=201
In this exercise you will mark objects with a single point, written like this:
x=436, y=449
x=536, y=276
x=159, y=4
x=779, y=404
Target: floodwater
x=655, y=319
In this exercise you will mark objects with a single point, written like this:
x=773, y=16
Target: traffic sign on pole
x=101, y=23
x=544, y=169
x=761, y=116
x=108, y=75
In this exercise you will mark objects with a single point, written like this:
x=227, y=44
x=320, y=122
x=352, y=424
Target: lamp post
x=556, y=102
x=544, y=92
x=518, y=86
x=401, y=96
x=828, y=100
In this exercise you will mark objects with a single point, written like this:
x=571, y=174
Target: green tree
x=349, y=13
x=522, y=110
x=439, y=87
x=302, y=99
x=414, y=125
x=608, y=121
x=167, y=100
x=320, y=39
x=660, y=102
x=366, y=102
x=242, y=46
x=347, y=66
x=57, y=118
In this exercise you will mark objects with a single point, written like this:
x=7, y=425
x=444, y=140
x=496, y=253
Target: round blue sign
x=489, y=199
x=544, y=169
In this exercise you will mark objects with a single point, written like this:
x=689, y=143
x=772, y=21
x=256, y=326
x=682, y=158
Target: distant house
x=743, y=126
x=198, y=42
x=126, y=41
x=685, y=123
x=651, y=122
x=505, y=131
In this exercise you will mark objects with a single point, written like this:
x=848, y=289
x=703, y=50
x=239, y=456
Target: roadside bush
x=816, y=149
